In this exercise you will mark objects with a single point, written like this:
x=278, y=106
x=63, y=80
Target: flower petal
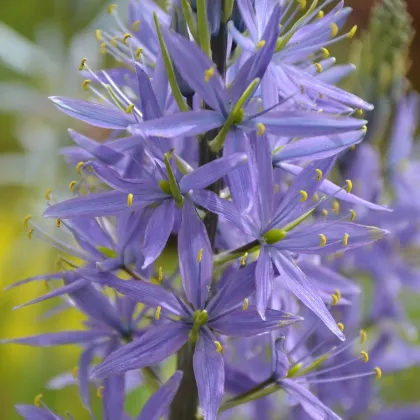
x=83, y=375
x=264, y=275
x=148, y=102
x=31, y=412
x=210, y=376
x=248, y=323
x=158, y=404
x=298, y=284
x=155, y=345
x=93, y=113
x=157, y=231
x=113, y=397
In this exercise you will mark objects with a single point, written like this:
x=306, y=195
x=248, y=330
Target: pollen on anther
x=37, y=400
x=340, y=325
x=365, y=356
x=352, y=214
x=304, y=195
x=245, y=305
x=82, y=64
x=337, y=293
x=302, y=4
x=200, y=255
x=114, y=41
x=72, y=186
x=79, y=167
x=353, y=30
x=99, y=392
x=325, y=212
x=75, y=372
x=126, y=37
x=160, y=274
x=98, y=35
x=323, y=239
x=58, y=222
x=102, y=48
x=138, y=53
x=111, y=8
x=318, y=67
x=346, y=239
x=130, y=200
x=320, y=14
x=336, y=206
x=30, y=233
x=363, y=336
x=378, y=372
x=334, y=300
x=86, y=83
x=47, y=194
x=157, y=313
x=334, y=29
x=349, y=185
x=318, y=174
x=208, y=74
x=260, y=44
x=26, y=220
x=243, y=259
x=316, y=197
x=260, y=129
x=219, y=347
x=129, y=109
x=325, y=52
x=135, y=25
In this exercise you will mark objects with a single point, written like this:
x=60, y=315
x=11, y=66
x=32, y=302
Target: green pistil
x=200, y=319
x=108, y=252
x=165, y=187
x=274, y=236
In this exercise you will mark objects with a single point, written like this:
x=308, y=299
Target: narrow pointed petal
x=310, y=403
x=187, y=123
x=248, y=323
x=318, y=147
x=43, y=277
x=264, y=275
x=148, y=102
x=144, y=292
x=83, y=375
x=209, y=173
x=191, y=238
x=157, y=231
x=58, y=339
x=210, y=376
x=31, y=412
x=155, y=345
x=113, y=397
x=333, y=190
x=246, y=8
x=192, y=63
x=157, y=405
x=95, y=114
x=297, y=282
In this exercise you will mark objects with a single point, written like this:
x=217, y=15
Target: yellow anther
x=126, y=37
x=26, y=220
x=325, y=212
x=243, y=259
x=102, y=48
x=349, y=185
x=200, y=255
x=340, y=325
x=208, y=74
x=157, y=313
x=99, y=392
x=86, y=83
x=260, y=44
x=114, y=41
x=302, y=4
x=37, y=400
x=75, y=372
x=359, y=112
x=334, y=300
x=111, y=8
x=365, y=356
x=160, y=274
x=320, y=14
x=364, y=128
x=135, y=25
x=334, y=29
x=72, y=186
x=58, y=222
x=129, y=109
x=316, y=197
x=260, y=129
x=353, y=147
x=82, y=64
x=98, y=35
x=139, y=51
x=337, y=293
x=325, y=52
x=378, y=372
x=346, y=239
x=304, y=195
x=130, y=200
x=318, y=67
x=245, y=305
x=353, y=30
x=47, y=194
x=323, y=239
x=79, y=167
x=219, y=347
x=336, y=206
x=318, y=174
x=352, y=214
x=363, y=336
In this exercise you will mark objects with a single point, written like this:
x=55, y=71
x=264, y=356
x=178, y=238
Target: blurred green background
x=41, y=44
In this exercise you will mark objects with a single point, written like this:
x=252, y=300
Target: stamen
x=378, y=372
x=364, y=128
x=79, y=167
x=129, y=109
x=86, y=83
x=130, y=200
x=126, y=37
x=243, y=259
x=219, y=347
x=135, y=25
x=365, y=356
x=352, y=215
x=325, y=52
x=82, y=64
x=75, y=372
x=30, y=233
x=346, y=239
x=58, y=222
x=335, y=299
x=336, y=206
x=111, y=8
x=48, y=194
x=353, y=30
x=302, y=4
x=260, y=44
x=340, y=326
x=318, y=174
x=363, y=336
x=316, y=197
x=208, y=74
x=325, y=212
x=260, y=129
x=304, y=195
x=323, y=239
x=334, y=30
x=338, y=293
x=157, y=313
x=139, y=51
x=26, y=220
x=98, y=35
x=359, y=112
x=349, y=185
x=320, y=14
x=200, y=255
x=37, y=400
x=99, y=392
x=245, y=305
x=160, y=274
x=318, y=67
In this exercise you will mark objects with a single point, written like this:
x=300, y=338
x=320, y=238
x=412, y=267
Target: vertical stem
x=185, y=403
